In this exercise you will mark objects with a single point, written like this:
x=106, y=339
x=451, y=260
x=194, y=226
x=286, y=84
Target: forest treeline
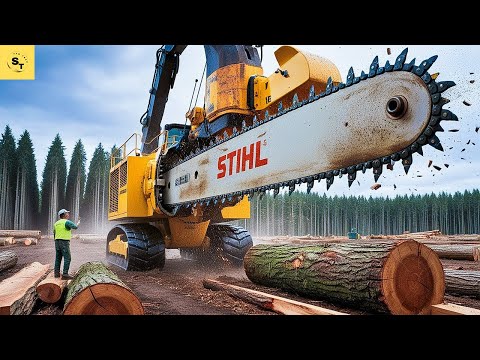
x=25, y=204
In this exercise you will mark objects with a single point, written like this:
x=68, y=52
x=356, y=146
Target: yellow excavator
x=180, y=185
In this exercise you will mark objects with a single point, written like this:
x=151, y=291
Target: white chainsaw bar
x=343, y=129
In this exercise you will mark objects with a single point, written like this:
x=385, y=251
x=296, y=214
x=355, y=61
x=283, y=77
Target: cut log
x=17, y=293
x=29, y=241
x=404, y=277
x=50, y=289
x=453, y=309
x=456, y=252
x=21, y=233
x=463, y=282
x=275, y=303
x=96, y=290
x=7, y=241
x=8, y=259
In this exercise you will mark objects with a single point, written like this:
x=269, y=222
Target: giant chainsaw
x=370, y=121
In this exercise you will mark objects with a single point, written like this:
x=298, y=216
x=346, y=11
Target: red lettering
x=230, y=157
x=247, y=157
x=258, y=161
x=221, y=167
x=239, y=158
x=250, y=155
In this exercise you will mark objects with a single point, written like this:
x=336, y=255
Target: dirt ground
x=177, y=289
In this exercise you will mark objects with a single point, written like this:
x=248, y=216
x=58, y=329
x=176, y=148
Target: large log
x=96, y=290
x=404, y=277
x=463, y=282
x=456, y=252
x=275, y=303
x=50, y=289
x=21, y=233
x=17, y=293
x=29, y=241
x=8, y=259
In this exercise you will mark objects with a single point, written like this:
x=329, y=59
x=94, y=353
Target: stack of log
x=408, y=235
x=26, y=237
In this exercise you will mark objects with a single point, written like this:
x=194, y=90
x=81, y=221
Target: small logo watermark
x=17, y=62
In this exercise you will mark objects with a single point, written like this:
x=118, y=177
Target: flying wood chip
x=389, y=52
x=430, y=163
x=466, y=103
x=394, y=186
x=472, y=81
x=437, y=167
x=453, y=130
x=375, y=186
x=476, y=129
x=446, y=165
x=468, y=142
x=462, y=150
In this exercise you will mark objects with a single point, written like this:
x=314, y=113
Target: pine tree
x=53, y=184
x=8, y=173
x=27, y=196
x=76, y=180
x=96, y=191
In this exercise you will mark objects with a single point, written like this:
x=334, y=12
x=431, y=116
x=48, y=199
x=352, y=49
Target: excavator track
x=426, y=134
x=227, y=242
x=146, y=249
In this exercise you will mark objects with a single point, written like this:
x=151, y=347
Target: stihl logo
x=241, y=159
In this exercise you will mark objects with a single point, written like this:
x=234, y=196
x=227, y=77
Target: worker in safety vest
x=62, y=233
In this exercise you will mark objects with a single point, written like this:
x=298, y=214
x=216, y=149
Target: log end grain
x=413, y=279
x=105, y=299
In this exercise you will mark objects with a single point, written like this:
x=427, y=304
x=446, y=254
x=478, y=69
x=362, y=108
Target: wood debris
x=375, y=186
x=466, y=103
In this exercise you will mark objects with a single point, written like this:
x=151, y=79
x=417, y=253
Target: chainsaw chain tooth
x=377, y=172
x=309, y=186
x=400, y=60
x=351, y=178
x=350, y=77
x=408, y=67
x=291, y=187
x=435, y=142
x=448, y=115
x=328, y=90
x=407, y=162
x=444, y=85
x=428, y=135
x=425, y=65
x=330, y=182
x=373, y=67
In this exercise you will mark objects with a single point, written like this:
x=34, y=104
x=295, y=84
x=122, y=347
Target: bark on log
x=268, y=301
x=50, y=289
x=8, y=259
x=96, y=290
x=456, y=252
x=21, y=233
x=463, y=282
x=17, y=293
x=403, y=277
x=7, y=241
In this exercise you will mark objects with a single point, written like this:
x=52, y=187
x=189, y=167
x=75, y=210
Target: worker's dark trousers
x=62, y=249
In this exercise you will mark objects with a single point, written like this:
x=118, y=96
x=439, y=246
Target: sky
x=98, y=93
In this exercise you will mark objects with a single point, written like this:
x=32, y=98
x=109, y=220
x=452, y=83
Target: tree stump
x=96, y=290
x=403, y=277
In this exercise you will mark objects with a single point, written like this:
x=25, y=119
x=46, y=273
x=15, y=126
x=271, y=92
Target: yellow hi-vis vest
x=61, y=231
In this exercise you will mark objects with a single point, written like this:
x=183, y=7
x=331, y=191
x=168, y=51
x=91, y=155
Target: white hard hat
x=63, y=211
